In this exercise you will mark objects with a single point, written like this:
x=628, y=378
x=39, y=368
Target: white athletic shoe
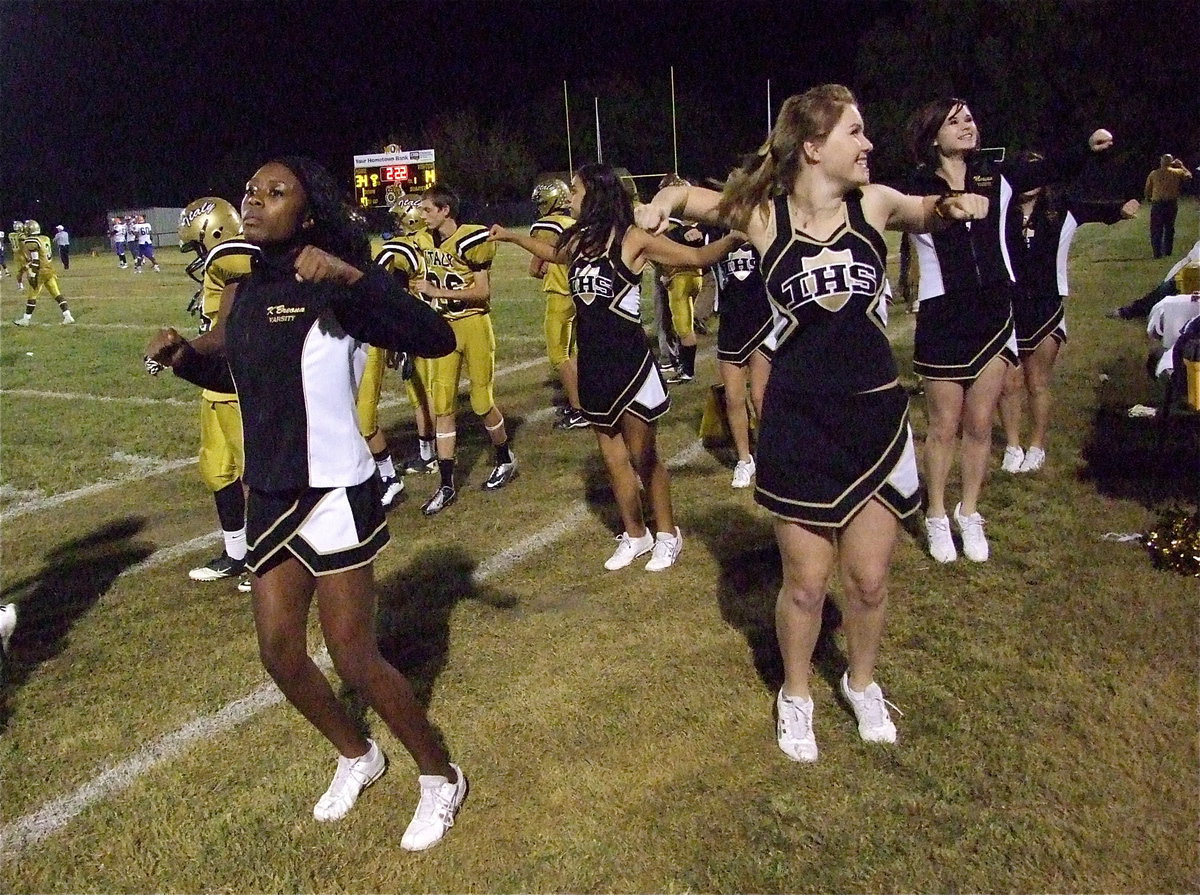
x=628, y=549
x=793, y=728
x=353, y=775
x=392, y=489
x=941, y=542
x=8, y=624
x=870, y=709
x=1013, y=457
x=1035, y=459
x=975, y=545
x=743, y=473
x=440, y=801
x=67, y=318
x=23, y=320
x=666, y=550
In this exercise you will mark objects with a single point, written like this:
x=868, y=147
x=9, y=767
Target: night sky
x=125, y=103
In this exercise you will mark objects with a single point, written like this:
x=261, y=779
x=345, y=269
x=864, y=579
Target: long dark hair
x=337, y=228
x=923, y=126
x=606, y=208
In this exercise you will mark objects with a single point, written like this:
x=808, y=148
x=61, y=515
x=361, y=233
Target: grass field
x=616, y=727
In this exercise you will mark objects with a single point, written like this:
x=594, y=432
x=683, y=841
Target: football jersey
x=16, y=239
x=37, y=252
x=549, y=229
x=403, y=255
x=226, y=263
x=119, y=232
x=143, y=232
x=452, y=263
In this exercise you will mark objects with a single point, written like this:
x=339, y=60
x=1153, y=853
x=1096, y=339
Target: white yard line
x=57, y=813
x=103, y=399
x=142, y=468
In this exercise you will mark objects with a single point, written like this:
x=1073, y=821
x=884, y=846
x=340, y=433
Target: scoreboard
x=383, y=178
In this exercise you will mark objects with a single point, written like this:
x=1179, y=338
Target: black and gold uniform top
x=224, y=264
x=452, y=262
x=403, y=257
x=831, y=292
x=288, y=355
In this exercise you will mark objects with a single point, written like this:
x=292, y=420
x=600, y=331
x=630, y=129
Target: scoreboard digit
x=382, y=178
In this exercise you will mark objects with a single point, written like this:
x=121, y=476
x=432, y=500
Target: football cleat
x=502, y=474
x=572, y=419
x=393, y=490
x=219, y=567
x=417, y=463
x=442, y=498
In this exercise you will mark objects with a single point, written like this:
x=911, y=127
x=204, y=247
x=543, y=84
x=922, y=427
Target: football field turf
x=616, y=727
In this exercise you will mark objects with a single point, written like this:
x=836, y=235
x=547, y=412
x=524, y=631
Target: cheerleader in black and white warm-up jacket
x=964, y=340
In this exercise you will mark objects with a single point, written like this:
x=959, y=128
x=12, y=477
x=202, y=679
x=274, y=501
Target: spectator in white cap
x=62, y=239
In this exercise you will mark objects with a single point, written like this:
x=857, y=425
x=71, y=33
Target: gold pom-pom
x=1175, y=542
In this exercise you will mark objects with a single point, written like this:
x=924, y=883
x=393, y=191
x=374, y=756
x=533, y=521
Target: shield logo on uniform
x=826, y=279
x=587, y=282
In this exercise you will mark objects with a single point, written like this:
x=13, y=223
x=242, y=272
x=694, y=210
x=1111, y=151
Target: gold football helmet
x=408, y=215
x=551, y=195
x=32, y=228
x=204, y=225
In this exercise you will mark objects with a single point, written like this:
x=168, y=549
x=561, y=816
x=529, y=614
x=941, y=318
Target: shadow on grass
x=76, y=574
x=745, y=549
x=1121, y=455
x=598, y=493
x=413, y=621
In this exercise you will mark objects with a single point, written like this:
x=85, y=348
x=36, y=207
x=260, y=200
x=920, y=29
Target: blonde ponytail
x=805, y=117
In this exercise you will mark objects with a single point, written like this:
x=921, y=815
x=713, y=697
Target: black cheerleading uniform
x=1039, y=249
x=835, y=430
x=617, y=372
x=966, y=275
x=747, y=324
x=288, y=353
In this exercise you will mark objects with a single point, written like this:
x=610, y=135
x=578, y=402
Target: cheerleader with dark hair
x=621, y=390
x=285, y=339
x=964, y=340
x=1039, y=229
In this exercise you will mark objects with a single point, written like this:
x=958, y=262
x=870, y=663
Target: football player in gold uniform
x=16, y=240
x=39, y=258
x=403, y=260
x=458, y=260
x=553, y=200
x=212, y=229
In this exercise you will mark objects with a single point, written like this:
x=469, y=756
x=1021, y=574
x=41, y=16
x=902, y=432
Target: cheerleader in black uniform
x=1039, y=230
x=285, y=338
x=621, y=390
x=835, y=458
x=964, y=341
x=745, y=344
